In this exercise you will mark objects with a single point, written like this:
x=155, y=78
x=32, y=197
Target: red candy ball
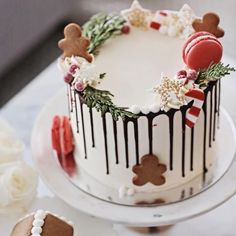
x=182, y=74
x=125, y=29
x=68, y=78
x=202, y=49
x=73, y=68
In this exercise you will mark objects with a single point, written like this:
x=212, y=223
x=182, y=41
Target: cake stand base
x=121, y=215
x=140, y=231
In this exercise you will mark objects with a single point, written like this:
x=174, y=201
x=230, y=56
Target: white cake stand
x=130, y=216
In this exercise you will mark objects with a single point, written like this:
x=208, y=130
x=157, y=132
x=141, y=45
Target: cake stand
x=125, y=218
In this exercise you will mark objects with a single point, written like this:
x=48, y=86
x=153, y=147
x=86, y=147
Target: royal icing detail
x=38, y=223
x=39, y=220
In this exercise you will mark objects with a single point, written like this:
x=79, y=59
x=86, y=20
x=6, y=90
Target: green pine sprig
x=213, y=73
x=102, y=27
x=101, y=100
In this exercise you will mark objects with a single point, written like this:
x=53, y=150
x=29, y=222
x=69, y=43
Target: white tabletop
x=27, y=104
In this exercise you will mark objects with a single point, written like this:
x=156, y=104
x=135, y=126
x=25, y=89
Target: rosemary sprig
x=100, y=28
x=212, y=73
x=102, y=101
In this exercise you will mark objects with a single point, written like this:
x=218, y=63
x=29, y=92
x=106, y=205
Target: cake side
x=112, y=148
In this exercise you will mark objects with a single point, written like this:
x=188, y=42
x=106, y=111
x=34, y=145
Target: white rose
x=11, y=149
x=18, y=184
x=6, y=128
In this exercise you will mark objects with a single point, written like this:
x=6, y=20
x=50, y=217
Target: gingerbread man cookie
x=149, y=171
x=209, y=23
x=74, y=44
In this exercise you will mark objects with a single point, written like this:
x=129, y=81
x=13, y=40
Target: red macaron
x=202, y=49
x=62, y=142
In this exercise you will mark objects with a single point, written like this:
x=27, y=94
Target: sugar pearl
x=36, y=230
x=38, y=223
x=40, y=214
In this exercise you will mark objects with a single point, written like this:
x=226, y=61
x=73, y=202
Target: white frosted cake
x=143, y=98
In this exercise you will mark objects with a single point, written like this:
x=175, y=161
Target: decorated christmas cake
x=143, y=92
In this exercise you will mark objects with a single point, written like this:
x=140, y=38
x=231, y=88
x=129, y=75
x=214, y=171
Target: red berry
x=125, y=29
x=73, y=68
x=192, y=75
x=182, y=74
x=68, y=78
x=79, y=86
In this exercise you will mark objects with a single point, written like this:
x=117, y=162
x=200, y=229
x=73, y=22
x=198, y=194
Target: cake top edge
x=80, y=48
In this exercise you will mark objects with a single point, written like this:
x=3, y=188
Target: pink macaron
x=202, y=49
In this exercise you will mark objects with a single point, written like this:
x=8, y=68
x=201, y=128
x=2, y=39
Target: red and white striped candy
x=193, y=113
x=158, y=20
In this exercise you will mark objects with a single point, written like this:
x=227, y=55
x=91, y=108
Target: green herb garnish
x=101, y=100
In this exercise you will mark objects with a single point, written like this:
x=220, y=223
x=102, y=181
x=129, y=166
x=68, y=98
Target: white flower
x=87, y=72
x=11, y=149
x=6, y=128
x=18, y=184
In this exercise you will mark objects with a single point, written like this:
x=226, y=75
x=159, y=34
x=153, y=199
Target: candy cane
x=198, y=96
x=158, y=20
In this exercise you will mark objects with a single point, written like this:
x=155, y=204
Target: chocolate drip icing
x=125, y=125
x=150, y=134
x=191, y=191
x=182, y=194
x=105, y=141
x=71, y=99
x=83, y=129
x=136, y=140
x=170, y=115
x=76, y=113
x=183, y=111
x=210, y=119
x=91, y=124
x=218, y=108
x=192, y=149
x=68, y=100
x=215, y=111
x=115, y=140
x=171, y=133
x=204, y=108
